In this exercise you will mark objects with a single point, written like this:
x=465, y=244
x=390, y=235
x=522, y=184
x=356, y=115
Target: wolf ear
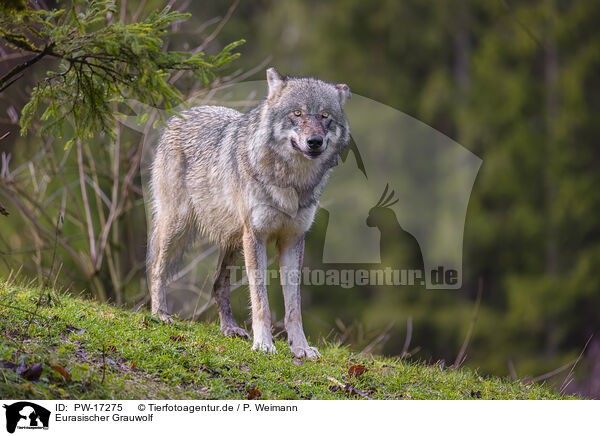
x=344, y=92
x=276, y=82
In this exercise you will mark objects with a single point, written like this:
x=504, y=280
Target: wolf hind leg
x=167, y=244
x=222, y=293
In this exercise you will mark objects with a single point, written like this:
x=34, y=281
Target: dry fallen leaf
x=254, y=394
x=32, y=373
x=62, y=371
x=356, y=370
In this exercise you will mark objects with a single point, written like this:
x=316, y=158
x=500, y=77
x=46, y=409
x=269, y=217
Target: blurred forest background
x=516, y=83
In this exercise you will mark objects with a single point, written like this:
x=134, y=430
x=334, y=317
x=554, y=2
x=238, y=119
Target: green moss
x=110, y=353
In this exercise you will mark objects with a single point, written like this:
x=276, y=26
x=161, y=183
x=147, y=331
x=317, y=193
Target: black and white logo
x=26, y=415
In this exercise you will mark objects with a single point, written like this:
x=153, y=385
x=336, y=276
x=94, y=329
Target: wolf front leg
x=291, y=253
x=255, y=257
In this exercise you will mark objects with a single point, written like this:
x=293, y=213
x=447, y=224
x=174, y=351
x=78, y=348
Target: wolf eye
x=297, y=113
x=325, y=114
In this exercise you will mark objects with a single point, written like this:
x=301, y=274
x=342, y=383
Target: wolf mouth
x=308, y=154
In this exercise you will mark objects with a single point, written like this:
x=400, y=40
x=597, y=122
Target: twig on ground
x=550, y=374
x=460, y=358
x=383, y=336
x=566, y=383
x=59, y=222
x=349, y=389
x=408, y=337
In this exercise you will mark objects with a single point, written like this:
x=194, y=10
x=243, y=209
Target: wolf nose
x=314, y=141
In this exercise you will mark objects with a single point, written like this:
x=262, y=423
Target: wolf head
x=307, y=116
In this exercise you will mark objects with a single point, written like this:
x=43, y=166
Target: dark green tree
x=100, y=61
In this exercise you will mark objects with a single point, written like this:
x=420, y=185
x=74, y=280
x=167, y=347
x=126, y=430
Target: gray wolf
x=244, y=180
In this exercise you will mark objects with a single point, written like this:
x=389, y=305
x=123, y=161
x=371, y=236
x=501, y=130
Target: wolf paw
x=163, y=316
x=233, y=331
x=305, y=352
x=262, y=346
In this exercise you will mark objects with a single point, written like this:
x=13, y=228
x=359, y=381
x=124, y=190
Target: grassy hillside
x=56, y=346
